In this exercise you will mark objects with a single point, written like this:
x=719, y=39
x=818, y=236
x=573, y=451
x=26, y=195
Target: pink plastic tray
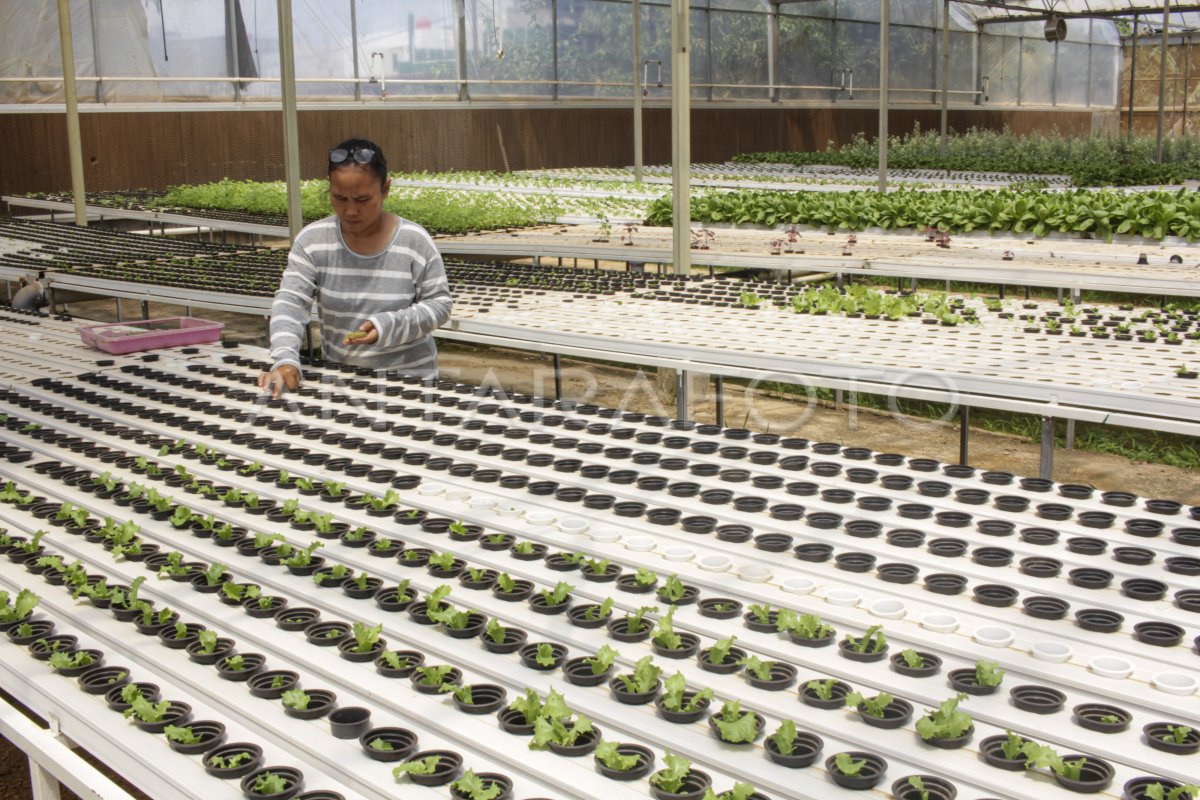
x=149, y=334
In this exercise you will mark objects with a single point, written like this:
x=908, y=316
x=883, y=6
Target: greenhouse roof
x=1183, y=16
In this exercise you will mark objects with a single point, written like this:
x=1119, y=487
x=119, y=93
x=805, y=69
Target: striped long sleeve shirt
x=402, y=290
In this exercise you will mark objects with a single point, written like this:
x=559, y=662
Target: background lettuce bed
x=1101, y=213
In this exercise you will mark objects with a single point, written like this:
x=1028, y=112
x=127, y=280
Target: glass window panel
x=702, y=64
x=739, y=53
x=822, y=9
x=999, y=62
x=595, y=47
x=1037, y=65
x=510, y=41
x=656, y=49
x=733, y=5
x=1106, y=72
x=418, y=43
x=324, y=50
x=1105, y=32
x=194, y=46
x=858, y=49
x=858, y=9
x=1071, y=75
x=29, y=48
x=912, y=12
x=911, y=63
x=962, y=66
x=806, y=57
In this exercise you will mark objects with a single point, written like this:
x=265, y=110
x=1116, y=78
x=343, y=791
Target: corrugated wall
x=157, y=149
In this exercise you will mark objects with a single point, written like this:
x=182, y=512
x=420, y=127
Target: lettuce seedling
x=736, y=726
x=644, y=677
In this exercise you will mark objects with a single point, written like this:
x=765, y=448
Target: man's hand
x=366, y=334
x=278, y=379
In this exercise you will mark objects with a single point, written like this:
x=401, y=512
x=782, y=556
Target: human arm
x=430, y=307
x=284, y=376
x=290, y=314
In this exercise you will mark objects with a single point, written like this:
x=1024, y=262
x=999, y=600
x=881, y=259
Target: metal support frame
x=74, y=137
x=145, y=309
x=964, y=434
x=945, y=77
x=681, y=137
x=1162, y=82
x=637, y=91
x=772, y=49
x=885, y=15
x=460, y=35
x=52, y=760
x=232, y=57
x=708, y=62
x=720, y=400
x=1187, y=77
x=96, y=51
x=1046, y=462
x=681, y=394
x=291, y=129
x=354, y=49
x=1132, y=75
x=554, y=49
x=1054, y=81
x=558, y=392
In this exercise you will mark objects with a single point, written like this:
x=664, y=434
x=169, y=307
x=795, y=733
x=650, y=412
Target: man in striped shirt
x=378, y=280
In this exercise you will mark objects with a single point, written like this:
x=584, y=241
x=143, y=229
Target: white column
x=291, y=135
x=637, y=90
x=681, y=137
x=885, y=11
x=74, y=138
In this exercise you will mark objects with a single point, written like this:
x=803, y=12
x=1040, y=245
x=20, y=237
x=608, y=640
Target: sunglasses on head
x=361, y=155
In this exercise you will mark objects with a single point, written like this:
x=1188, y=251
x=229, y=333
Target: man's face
x=357, y=197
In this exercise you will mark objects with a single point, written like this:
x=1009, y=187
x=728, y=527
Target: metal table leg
x=1046, y=465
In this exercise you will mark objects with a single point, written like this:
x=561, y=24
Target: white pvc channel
x=887, y=680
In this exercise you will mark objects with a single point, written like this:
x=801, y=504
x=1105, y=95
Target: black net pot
x=966, y=680
x=1101, y=717
x=995, y=594
x=897, y=573
x=1160, y=736
x=805, y=749
x=1095, y=776
x=895, y=715
x=1037, y=699
x=863, y=528
x=1090, y=578
x=813, y=551
x=1099, y=620
x=768, y=542
x=631, y=695
x=924, y=664
x=931, y=788
x=1040, y=567
x=866, y=778
x=837, y=694
x=1043, y=607
x=1145, y=589
x=1138, y=788
x=644, y=765
x=1158, y=634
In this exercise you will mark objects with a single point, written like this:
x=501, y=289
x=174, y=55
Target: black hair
x=377, y=164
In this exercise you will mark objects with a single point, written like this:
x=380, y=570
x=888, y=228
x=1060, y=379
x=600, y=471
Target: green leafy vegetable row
x=1101, y=213
x=1090, y=161
x=439, y=210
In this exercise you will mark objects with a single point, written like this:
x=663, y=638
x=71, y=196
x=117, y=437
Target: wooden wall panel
x=160, y=149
